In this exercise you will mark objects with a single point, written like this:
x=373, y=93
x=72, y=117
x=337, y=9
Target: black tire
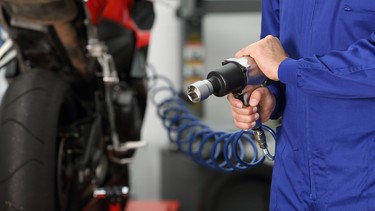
x=29, y=117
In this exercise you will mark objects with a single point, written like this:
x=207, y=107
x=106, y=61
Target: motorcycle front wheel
x=29, y=117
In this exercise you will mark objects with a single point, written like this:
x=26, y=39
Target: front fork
x=111, y=80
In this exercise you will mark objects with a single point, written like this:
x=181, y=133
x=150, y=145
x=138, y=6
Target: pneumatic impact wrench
x=234, y=75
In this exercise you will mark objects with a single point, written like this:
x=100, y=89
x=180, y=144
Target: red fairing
x=119, y=11
x=115, y=207
x=96, y=9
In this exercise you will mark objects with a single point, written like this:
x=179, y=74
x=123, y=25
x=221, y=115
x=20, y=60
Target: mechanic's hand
x=268, y=53
x=262, y=103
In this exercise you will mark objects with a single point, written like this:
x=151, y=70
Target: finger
x=240, y=53
x=244, y=126
x=236, y=103
x=255, y=97
x=246, y=122
x=250, y=88
x=270, y=37
x=241, y=118
x=246, y=110
x=244, y=51
x=266, y=103
x=245, y=118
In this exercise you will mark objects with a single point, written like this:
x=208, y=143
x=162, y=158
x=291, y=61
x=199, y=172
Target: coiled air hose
x=221, y=150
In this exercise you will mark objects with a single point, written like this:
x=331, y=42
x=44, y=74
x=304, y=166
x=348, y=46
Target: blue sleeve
x=338, y=74
x=278, y=90
x=271, y=26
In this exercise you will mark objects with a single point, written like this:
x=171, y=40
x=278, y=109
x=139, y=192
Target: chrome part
x=115, y=191
x=125, y=190
x=246, y=61
x=101, y=169
x=199, y=91
x=96, y=48
x=27, y=24
x=12, y=55
x=7, y=50
x=260, y=138
x=268, y=155
x=254, y=75
x=99, y=193
x=115, y=153
x=99, y=50
x=7, y=46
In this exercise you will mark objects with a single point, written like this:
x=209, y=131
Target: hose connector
x=260, y=138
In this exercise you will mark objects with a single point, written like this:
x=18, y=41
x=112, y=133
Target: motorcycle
x=71, y=117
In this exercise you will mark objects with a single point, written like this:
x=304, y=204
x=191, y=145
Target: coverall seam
x=309, y=154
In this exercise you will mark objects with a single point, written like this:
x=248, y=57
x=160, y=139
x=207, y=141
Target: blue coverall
x=325, y=152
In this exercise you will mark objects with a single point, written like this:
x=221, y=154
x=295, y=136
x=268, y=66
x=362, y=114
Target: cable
x=221, y=150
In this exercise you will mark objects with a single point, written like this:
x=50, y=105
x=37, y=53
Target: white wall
x=164, y=55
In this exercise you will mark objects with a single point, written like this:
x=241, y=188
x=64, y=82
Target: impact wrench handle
x=259, y=135
x=244, y=97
